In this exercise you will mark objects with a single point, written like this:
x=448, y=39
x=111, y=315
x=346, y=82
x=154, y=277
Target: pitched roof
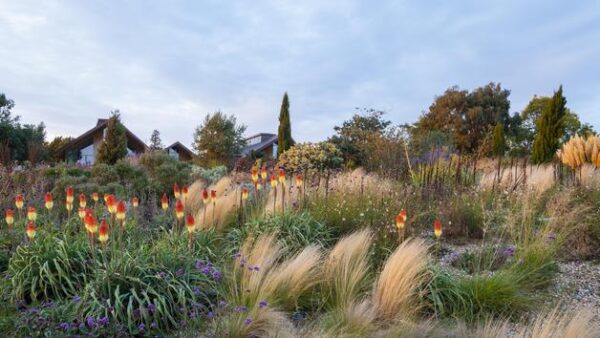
x=101, y=124
x=266, y=141
x=181, y=149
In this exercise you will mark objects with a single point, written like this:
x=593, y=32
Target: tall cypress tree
x=114, y=146
x=284, y=135
x=550, y=129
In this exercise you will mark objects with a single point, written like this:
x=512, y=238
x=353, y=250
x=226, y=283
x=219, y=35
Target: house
x=180, y=152
x=261, y=145
x=84, y=148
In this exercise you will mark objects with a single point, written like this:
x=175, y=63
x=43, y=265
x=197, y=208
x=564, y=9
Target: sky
x=167, y=64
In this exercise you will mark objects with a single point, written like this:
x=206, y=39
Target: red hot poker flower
x=82, y=200
x=121, y=211
x=19, y=201
x=176, y=191
x=31, y=230
x=179, y=209
x=48, y=201
x=103, y=232
x=437, y=229
x=190, y=222
x=204, y=196
x=70, y=195
x=164, y=202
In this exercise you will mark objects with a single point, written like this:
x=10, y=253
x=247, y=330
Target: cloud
x=166, y=65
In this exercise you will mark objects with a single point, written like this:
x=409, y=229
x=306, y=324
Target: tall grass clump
x=395, y=290
x=346, y=270
x=562, y=324
x=48, y=268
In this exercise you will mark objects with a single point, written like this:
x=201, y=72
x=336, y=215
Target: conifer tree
x=550, y=129
x=284, y=135
x=114, y=146
x=155, y=141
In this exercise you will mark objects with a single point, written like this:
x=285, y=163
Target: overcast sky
x=166, y=64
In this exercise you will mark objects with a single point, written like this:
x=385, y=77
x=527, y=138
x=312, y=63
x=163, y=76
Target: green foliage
x=499, y=143
x=155, y=141
x=219, y=139
x=114, y=145
x=353, y=136
x=209, y=175
x=284, y=134
x=550, y=129
x=486, y=258
x=465, y=216
x=294, y=231
x=314, y=157
x=48, y=268
x=19, y=142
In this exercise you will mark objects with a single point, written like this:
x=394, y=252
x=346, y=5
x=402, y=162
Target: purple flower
x=76, y=299
x=136, y=313
x=222, y=303
x=263, y=304
x=33, y=311
x=141, y=327
x=64, y=326
x=153, y=325
x=193, y=314
x=242, y=263
x=179, y=272
x=183, y=323
x=196, y=290
x=199, y=264
x=550, y=238
x=248, y=321
x=103, y=321
x=210, y=315
x=256, y=268
x=216, y=275
x=90, y=322
x=206, y=270
x=241, y=308
x=151, y=308
x=237, y=255
x=162, y=274
x=509, y=251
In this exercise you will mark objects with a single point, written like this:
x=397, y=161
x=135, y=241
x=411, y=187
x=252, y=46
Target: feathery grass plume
x=256, y=259
x=221, y=207
x=290, y=279
x=346, y=269
x=394, y=292
x=256, y=322
x=558, y=324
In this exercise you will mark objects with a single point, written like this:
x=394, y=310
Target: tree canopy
x=219, y=139
x=114, y=145
x=284, y=134
x=155, y=141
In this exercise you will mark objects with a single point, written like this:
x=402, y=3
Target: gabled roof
x=266, y=141
x=180, y=148
x=132, y=140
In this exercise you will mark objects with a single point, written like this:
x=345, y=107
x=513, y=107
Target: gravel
x=577, y=286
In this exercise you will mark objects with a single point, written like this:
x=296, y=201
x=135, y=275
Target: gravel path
x=576, y=286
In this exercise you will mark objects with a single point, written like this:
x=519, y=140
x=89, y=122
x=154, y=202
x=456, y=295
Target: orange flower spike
x=31, y=214
x=258, y=186
x=204, y=196
x=9, y=217
x=437, y=229
x=121, y=211
x=176, y=191
x=184, y=192
x=164, y=201
x=70, y=195
x=179, y=210
x=213, y=196
x=263, y=173
x=111, y=204
x=103, y=232
x=19, y=201
x=274, y=181
x=31, y=230
x=190, y=223
x=81, y=213
x=299, y=181
x=403, y=214
x=282, y=177
x=95, y=197
x=48, y=201
x=135, y=201
x=254, y=175
x=82, y=200
x=106, y=198
x=400, y=221
x=91, y=224
x=244, y=193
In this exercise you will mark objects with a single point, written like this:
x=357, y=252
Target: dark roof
x=101, y=124
x=266, y=141
x=180, y=148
